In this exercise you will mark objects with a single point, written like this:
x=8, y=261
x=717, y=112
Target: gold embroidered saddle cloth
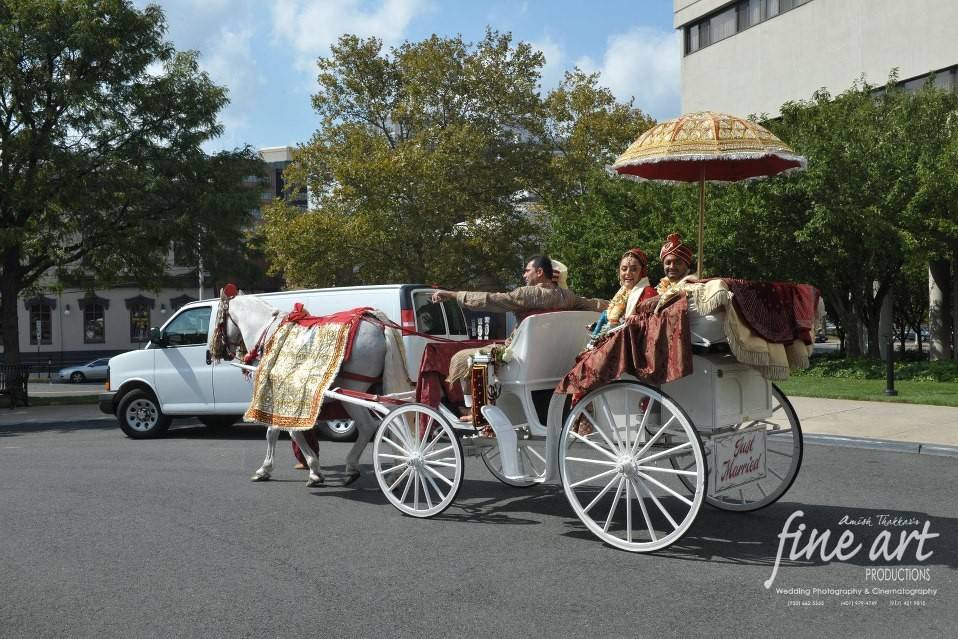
x=299, y=364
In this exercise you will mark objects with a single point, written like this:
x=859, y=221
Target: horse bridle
x=222, y=347
x=229, y=349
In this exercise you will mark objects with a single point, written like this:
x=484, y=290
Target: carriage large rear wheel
x=614, y=459
x=418, y=460
x=783, y=458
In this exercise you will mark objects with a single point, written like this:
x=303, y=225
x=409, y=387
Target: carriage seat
x=706, y=330
x=544, y=347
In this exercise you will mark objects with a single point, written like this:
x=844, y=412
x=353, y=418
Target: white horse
x=247, y=321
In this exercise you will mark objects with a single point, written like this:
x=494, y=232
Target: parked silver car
x=93, y=371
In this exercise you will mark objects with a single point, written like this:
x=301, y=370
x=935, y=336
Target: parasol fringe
x=614, y=168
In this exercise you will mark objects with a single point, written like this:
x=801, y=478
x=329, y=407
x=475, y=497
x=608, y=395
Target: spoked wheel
x=531, y=464
x=418, y=460
x=618, y=477
x=783, y=458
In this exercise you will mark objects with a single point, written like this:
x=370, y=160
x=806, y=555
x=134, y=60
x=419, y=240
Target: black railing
x=13, y=384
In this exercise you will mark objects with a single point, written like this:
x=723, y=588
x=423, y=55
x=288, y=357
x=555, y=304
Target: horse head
x=241, y=325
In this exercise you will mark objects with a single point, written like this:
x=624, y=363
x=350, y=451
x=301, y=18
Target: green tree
x=838, y=224
x=593, y=217
x=930, y=122
x=419, y=168
x=101, y=123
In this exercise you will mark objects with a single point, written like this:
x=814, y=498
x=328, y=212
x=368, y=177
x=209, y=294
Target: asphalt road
x=102, y=536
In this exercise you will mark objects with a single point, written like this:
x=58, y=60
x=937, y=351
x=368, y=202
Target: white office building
x=750, y=56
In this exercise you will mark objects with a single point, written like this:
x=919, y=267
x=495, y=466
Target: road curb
x=915, y=448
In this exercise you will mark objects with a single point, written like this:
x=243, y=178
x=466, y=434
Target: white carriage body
x=721, y=392
x=702, y=438
x=541, y=352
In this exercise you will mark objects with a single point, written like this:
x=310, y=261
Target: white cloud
x=223, y=32
x=642, y=63
x=554, y=68
x=230, y=61
x=310, y=27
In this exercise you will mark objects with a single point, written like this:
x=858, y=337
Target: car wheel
x=77, y=377
x=219, y=422
x=140, y=416
x=339, y=430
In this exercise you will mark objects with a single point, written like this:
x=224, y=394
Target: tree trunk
x=939, y=310
x=9, y=294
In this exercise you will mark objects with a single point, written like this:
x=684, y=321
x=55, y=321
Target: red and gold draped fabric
x=653, y=347
x=300, y=363
x=779, y=312
x=434, y=368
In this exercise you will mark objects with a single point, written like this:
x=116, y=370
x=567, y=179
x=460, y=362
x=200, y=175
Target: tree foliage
x=101, y=123
x=417, y=172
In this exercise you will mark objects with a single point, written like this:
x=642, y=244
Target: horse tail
x=395, y=375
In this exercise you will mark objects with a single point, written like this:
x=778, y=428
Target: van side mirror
x=157, y=338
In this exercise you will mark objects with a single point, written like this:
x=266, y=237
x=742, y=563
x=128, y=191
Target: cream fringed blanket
x=772, y=360
x=304, y=357
x=299, y=365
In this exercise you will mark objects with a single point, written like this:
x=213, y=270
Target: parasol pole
x=699, y=265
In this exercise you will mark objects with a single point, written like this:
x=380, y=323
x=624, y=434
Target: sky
x=265, y=51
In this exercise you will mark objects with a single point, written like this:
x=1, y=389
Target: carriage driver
x=540, y=294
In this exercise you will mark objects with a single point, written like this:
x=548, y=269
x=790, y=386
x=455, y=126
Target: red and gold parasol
x=707, y=147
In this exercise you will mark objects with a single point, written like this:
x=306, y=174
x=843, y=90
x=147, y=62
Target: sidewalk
x=914, y=428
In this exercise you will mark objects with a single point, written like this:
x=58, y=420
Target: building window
x=94, y=331
x=139, y=308
x=40, y=327
x=139, y=323
x=749, y=14
x=734, y=18
x=722, y=25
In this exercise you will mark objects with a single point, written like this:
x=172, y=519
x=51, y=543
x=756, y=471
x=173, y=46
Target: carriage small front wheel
x=614, y=460
x=418, y=460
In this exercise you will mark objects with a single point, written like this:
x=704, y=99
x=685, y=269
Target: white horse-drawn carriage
x=635, y=461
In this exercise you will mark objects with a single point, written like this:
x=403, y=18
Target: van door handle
x=209, y=357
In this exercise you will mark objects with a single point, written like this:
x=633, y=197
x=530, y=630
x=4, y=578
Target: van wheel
x=219, y=422
x=339, y=430
x=140, y=416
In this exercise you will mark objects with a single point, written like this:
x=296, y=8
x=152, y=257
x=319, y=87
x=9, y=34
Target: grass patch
x=917, y=380
x=909, y=391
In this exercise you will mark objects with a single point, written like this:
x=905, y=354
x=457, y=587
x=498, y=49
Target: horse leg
x=315, y=474
x=365, y=429
x=263, y=473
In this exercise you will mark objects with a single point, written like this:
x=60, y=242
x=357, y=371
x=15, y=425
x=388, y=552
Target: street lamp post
x=890, y=368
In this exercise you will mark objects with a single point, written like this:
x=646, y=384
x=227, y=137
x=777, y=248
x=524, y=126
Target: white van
x=174, y=375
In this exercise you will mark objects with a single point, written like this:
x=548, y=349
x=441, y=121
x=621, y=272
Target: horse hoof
x=314, y=483
x=351, y=476
x=259, y=477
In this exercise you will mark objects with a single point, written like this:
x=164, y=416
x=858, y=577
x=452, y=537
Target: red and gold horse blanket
x=298, y=366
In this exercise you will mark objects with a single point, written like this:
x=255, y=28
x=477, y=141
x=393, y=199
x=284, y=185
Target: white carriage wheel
x=531, y=464
x=619, y=479
x=418, y=460
x=783, y=458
